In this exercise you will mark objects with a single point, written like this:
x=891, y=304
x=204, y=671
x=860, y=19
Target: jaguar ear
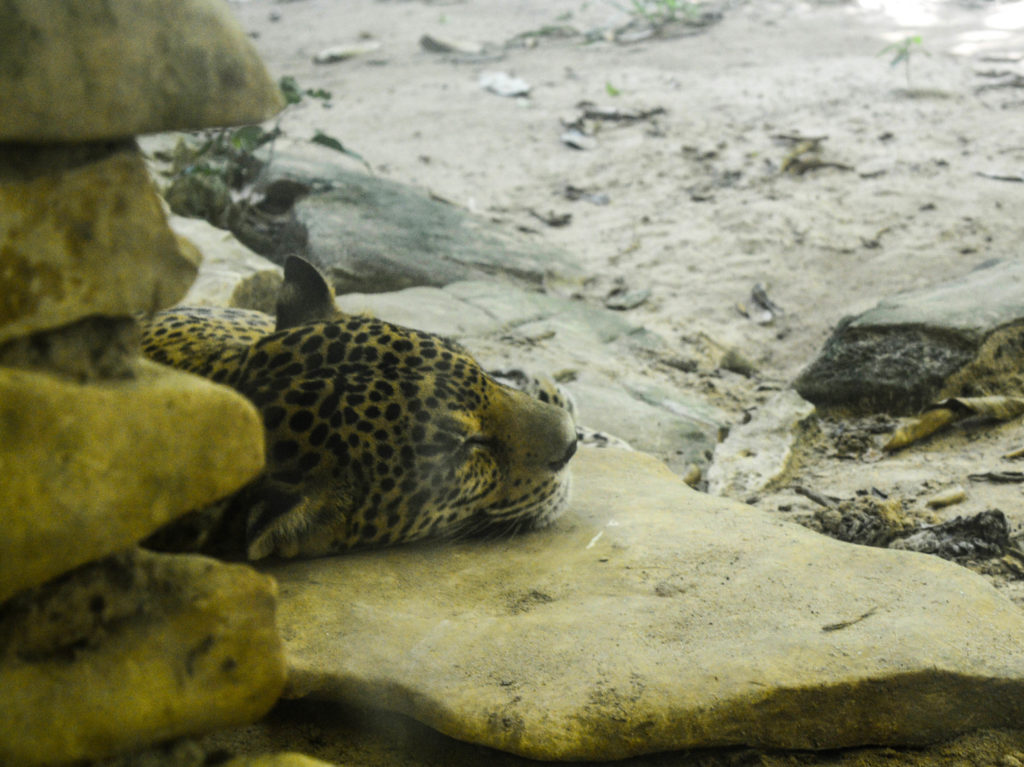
x=305, y=295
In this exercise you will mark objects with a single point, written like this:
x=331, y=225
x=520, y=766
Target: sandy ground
x=700, y=203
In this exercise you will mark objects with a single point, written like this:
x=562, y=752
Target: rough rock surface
x=926, y=345
x=133, y=649
x=651, y=617
x=757, y=453
x=83, y=72
x=602, y=352
x=75, y=223
x=230, y=274
x=373, y=235
x=91, y=469
x=276, y=760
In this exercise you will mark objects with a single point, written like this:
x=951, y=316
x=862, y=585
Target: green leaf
x=248, y=138
x=611, y=90
x=290, y=89
x=318, y=93
x=332, y=143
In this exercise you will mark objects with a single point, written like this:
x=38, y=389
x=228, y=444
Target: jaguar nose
x=570, y=451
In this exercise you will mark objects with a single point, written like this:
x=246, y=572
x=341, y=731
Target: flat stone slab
x=960, y=338
x=649, y=618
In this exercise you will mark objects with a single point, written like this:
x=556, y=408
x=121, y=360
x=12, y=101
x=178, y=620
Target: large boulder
x=373, y=235
x=134, y=649
x=87, y=71
x=960, y=338
x=89, y=469
x=651, y=617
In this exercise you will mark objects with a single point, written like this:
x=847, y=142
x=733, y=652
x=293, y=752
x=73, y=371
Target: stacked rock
x=105, y=647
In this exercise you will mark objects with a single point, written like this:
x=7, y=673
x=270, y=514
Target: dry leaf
x=940, y=414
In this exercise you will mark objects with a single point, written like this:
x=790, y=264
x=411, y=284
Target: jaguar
x=376, y=434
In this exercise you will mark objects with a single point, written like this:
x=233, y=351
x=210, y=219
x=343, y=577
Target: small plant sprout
x=661, y=12
x=902, y=52
x=611, y=90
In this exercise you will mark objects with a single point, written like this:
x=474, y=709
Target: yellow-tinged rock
x=94, y=70
x=650, y=617
x=82, y=232
x=276, y=760
x=88, y=470
x=134, y=649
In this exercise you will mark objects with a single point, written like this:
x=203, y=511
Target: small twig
x=818, y=498
x=847, y=624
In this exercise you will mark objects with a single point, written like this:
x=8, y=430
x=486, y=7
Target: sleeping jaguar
x=376, y=434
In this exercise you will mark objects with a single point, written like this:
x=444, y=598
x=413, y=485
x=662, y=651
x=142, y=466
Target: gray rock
x=230, y=274
x=958, y=338
x=373, y=235
x=651, y=617
x=757, y=453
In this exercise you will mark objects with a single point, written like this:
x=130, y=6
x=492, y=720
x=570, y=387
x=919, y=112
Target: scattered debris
x=552, y=218
x=692, y=476
x=947, y=497
x=822, y=500
x=1006, y=80
x=621, y=298
x=578, y=140
x=1007, y=57
x=504, y=84
x=441, y=45
x=855, y=438
x=926, y=424
x=590, y=111
x=576, y=193
x=769, y=310
x=658, y=19
x=940, y=414
x=846, y=624
x=346, y=51
x=805, y=154
x=983, y=535
x=531, y=38
x=998, y=476
x=736, y=361
x=759, y=294
x=1017, y=178
x=866, y=520
x=589, y=120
